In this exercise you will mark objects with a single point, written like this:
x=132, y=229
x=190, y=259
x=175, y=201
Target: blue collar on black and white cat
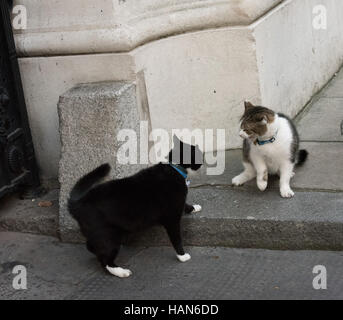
x=179, y=169
x=182, y=171
x=271, y=140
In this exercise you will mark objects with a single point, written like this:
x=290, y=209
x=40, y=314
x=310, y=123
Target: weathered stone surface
x=91, y=115
x=124, y=24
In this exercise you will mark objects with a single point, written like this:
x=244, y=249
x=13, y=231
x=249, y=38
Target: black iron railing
x=17, y=160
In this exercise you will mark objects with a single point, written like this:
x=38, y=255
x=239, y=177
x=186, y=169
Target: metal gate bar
x=17, y=160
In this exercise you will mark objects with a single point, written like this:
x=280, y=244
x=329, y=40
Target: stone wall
x=199, y=60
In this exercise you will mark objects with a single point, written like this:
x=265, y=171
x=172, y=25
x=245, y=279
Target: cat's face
x=189, y=156
x=255, y=121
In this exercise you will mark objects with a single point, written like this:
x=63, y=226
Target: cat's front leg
x=248, y=174
x=174, y=233
x=286, y=173
x=261, y=173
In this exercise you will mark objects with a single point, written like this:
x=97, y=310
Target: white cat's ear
x=248, y=105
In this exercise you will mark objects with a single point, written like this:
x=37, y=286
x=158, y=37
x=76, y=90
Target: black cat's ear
x=248, y=105
x=176, y=140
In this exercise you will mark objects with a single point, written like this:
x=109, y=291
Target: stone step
x=323, y=122
x=250, y=219
x=231, y=217
x=28, y=216
x=320, y=171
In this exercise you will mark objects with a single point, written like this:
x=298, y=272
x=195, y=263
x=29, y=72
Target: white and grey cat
x=271, y=145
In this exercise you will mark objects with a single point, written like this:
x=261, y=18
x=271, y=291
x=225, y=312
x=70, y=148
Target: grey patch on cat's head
x=255, y=120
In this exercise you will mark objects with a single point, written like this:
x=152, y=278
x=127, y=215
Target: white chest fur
x=276, y=153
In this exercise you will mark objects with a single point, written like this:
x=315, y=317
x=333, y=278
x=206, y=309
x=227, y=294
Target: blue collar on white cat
x=271, y=140
x=179, y=169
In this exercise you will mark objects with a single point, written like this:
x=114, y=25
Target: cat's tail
x=301, y=157
x=85, y=183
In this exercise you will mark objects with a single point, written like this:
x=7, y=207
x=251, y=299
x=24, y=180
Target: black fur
x=85, y=183
x=302, y=157
x=108, y=212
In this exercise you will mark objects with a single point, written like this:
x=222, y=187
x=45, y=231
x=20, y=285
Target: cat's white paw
x=196, y=208
x=237, y=181
x=286, y=192
x=119, y=272
x=293, y=174
x=184, y=257
x=262, y=185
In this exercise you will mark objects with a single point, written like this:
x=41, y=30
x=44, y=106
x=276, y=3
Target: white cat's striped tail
x=301, y=157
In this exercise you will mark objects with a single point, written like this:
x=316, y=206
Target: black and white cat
x=109, y=211
x=271, y=145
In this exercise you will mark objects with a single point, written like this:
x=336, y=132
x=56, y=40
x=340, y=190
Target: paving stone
x=335, y=87
x=53, y=269
x=220, y=273
x=65, y=271
x=323, y=121
x=321, y=170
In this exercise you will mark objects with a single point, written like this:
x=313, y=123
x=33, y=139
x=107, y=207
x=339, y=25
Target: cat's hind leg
x=118, y=271
x=112, y=268
x=106, y=247
x=248, y=174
